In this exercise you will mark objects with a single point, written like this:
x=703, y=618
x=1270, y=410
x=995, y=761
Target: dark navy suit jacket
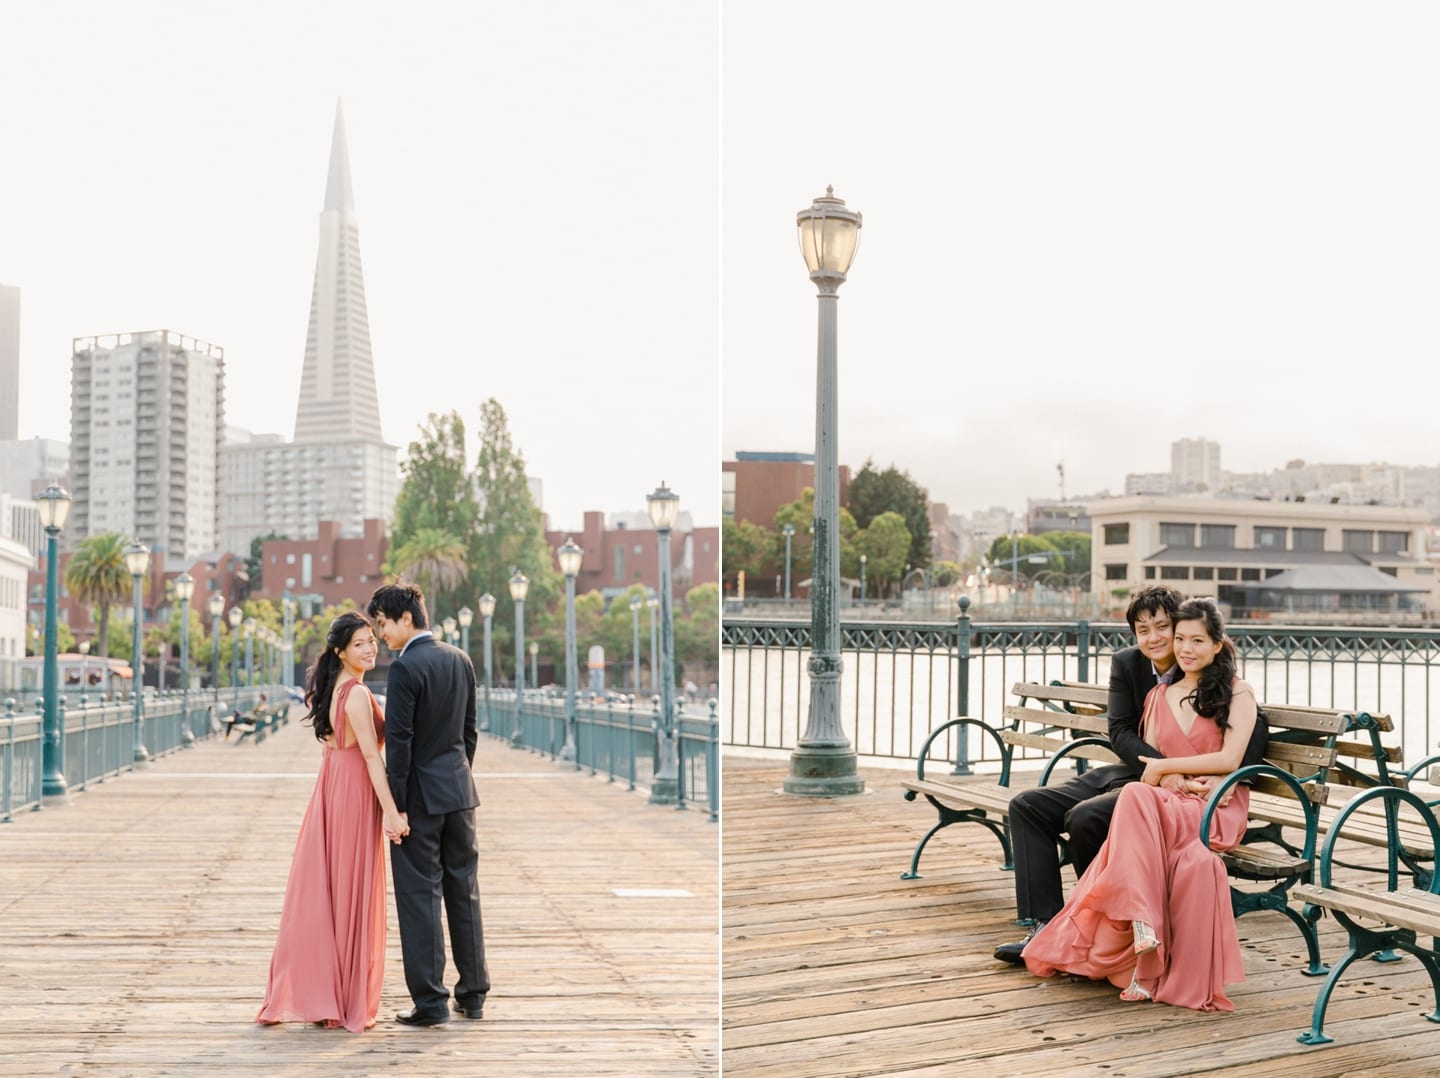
x=430, y=733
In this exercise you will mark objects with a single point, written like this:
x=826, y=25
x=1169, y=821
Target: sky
x=536, y=187
x=1089, y=230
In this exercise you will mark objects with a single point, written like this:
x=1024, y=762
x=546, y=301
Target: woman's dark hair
x=321, y=677
x=1211, y=697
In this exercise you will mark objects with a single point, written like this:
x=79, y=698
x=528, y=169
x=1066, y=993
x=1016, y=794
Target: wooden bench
x=1288, y=792
x=1377, y=920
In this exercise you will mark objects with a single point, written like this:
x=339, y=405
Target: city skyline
x=1087, y=231
x=480, y=141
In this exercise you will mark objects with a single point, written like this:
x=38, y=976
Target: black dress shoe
x=1013, y=952
x=473, y=1007
x=420, y=1018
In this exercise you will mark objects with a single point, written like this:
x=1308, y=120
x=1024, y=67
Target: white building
x=1301, y=560
x=147, y=414
x=15, y=563
x=29, y=466
x=1195, y=464
x=339, y=466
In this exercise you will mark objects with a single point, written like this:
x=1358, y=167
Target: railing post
x=6, y=792
x=679, y=753
x=712, y=762
x=962, y=686
x=1082, y=649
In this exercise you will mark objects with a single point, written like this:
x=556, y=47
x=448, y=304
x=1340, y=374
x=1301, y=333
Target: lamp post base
x=53, y=791
x=142, y=756
x=824, y=772
x=664, y=790
x=517, y=740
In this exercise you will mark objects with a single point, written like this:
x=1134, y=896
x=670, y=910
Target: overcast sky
x=536, y=190
x=1090, y=229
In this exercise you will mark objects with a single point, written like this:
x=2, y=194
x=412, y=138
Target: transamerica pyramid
x=338, y=401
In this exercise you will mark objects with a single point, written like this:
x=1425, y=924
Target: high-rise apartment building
x=147, y=416
x=9, y=363
x=1195, y=464
x=338, y=468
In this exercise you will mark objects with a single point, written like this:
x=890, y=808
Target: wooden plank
x=1416, y=910
x=1091, y=724
x=1068, y=692
x=838, y=967
x=139, y=921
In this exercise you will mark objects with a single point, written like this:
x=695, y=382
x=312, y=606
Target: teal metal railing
x=100, y=737
x=616, y=737
x=903, y=679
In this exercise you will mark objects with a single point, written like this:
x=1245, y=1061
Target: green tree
x=886, y=544
x=255, y=563
x=746, y=548
x=435, y=560
x=438, y=493
x=1001, y=555
x=697, y=626
x=800, y=514
x=508, y=532
x=97, y=575
x=872, y=493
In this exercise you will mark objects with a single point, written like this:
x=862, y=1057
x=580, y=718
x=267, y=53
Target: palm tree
x=435, y=560
x=97, y=574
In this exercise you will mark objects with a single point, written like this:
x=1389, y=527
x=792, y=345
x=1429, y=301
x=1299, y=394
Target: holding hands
x=397, y=826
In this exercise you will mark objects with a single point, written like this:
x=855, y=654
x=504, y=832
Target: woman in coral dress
x=1152, y=913
x=329, y=959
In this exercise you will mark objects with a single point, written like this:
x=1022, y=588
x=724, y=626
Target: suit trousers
x=1081, y=808
x=436, y=864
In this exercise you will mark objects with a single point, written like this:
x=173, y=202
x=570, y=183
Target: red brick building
x=754, y=486
x=616, y=558
x=326, y=570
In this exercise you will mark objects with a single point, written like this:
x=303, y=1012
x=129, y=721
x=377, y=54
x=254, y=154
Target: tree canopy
x=873, y=492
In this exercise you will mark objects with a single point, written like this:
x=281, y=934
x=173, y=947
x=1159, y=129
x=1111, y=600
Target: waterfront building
x=1296, y=559
x=147, y=414
x=325, y=570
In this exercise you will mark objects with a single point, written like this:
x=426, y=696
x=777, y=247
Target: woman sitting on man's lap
x=1152, y=913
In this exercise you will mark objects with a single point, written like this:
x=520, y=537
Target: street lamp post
x=249, y=652
x=570, y=557
x=534, y=664
x=465, y=616
x=184, y=589
x=287, y=615
x=519, y=587
x=664, y=506
x=789, y=531
x=487, y=612
x=864, y=559
x=53, y=504
x=235, y=616
x=635, y=645
x=653, y=605
x=84, y=646
x=216, y=607
x=449, y=625
x=137, y=560
x=824, y=762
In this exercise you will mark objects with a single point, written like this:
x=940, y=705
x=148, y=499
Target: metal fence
x=99, y=737
x=614, y=736
x=902, y=679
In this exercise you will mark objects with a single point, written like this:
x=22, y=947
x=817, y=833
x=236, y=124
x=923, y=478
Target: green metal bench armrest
x=1387, y=793
x=1312, y=813
x=964, y=720
x=1065, y=750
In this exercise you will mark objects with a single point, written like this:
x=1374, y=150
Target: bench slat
x=1053, y=745
x=1091, y=724
x=1070, y=692
x=990, y=796
x=1418, y=911
x=1265, y=862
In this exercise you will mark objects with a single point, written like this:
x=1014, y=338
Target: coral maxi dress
x=329, y=960
x=1152, y=868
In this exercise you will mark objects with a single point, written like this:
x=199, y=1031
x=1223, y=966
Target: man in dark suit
x=430, y=741
x=1082, y=807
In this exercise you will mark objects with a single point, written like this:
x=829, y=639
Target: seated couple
x=1150, y=911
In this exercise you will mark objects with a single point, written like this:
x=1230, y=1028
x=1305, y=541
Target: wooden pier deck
x=833, y=965
x=138, y=923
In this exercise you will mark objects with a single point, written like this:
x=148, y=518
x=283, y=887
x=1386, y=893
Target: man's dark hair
x=395, y=600
x=1151, y=599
